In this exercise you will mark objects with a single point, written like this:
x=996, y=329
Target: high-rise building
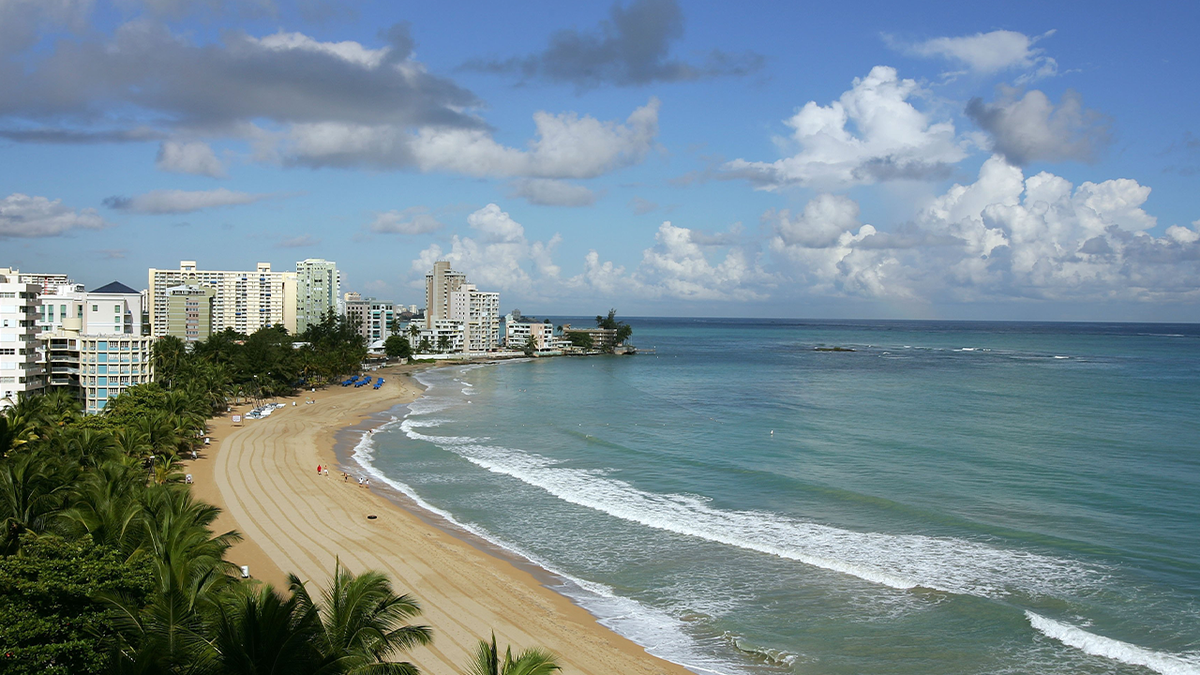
x=190, y=312
x=374, y=318
x=244, y=301
x=318, y=284
x=479, y=313
x=439, y=284
x=20, y=370
x=98, y=367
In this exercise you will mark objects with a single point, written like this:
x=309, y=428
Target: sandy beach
x=263, y=475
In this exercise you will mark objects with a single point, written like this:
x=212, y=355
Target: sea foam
x=661, y=634
x=947, y=564
x=1097, y=645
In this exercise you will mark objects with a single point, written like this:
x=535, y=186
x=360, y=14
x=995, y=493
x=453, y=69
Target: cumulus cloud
x=501, y=258
x=413, y=220
x=1030, y=128
x=1004, y=236
x=25, y=216
x=548, y=192
x=677, y=267
x=183, y=201
x=990, y=53
x=194, y=157
x=631, y=48
x=894, y=140
x=566, y=146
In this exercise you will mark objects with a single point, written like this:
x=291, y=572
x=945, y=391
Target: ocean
x=947, y=497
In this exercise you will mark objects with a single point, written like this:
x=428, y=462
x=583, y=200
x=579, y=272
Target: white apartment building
x=20, y=370
x=373, y=317
x=100, y=366
x=65, y=301
x=113, y=309
x=452, y=331
x=518, y=330
x=244, y=301
x=318, y=285
x=479, y=313
x=439, y=284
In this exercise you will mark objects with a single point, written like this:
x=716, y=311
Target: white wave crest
x=900, y=561
x=661, y=634
x=1097, y=645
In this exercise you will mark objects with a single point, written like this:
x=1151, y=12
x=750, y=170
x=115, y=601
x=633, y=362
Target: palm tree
x=414, y=330
x=170, y=634
x=532, y=661
x=361, y=621
x=258, y=632
x=34, y=488
x=108, y=506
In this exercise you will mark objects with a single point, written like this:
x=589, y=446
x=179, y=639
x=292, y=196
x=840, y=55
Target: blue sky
x=890, y=160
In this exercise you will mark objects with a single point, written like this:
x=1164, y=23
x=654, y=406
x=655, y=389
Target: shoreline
x=292, y=519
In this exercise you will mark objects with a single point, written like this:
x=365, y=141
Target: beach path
x=265, y=473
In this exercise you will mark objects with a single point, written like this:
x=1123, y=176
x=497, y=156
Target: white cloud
x=413, y=220
x=25, y=216
x=1003, y=236
x=502, y=259
x=349, y=51
x=990, y=53
x=1032, y=128
x=194, y=157
x=677, y=267
x=565, y=146
x=183, y=201
x=549, y=192
x=894, y=140
x=823, y=222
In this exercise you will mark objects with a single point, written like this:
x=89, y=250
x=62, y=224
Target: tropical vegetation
x=109, y=564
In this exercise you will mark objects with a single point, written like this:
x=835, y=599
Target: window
x=117, y=309
x=95, y=308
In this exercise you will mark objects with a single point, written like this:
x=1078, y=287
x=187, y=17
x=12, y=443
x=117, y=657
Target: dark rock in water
x=832, y=349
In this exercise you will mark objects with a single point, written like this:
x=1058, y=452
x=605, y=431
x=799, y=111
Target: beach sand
x=263, y=475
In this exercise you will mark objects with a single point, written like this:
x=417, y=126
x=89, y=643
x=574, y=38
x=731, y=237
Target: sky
x=900, y=160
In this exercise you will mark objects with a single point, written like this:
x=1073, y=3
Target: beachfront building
x=190, y=312
x=113, y=309
x=519, y=329
x=242, y=300
x=97, y=367
x=446, y=336
x=374, y=318
x=65, y=301
x=479, y=313
x=318, y=285
x=47, y=283
x=21, y=372
x=439, y=284
x=602, y=338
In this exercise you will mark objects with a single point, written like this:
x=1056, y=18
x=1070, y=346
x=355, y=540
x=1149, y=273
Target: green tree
x=532, y=661
x=50, y=620
x=443, y=343
x=579, y=339
x=259, y=632
x=623, y=330
x=361, y=622
x=424, y=347
x=530, y=346
x=397, y=347
x=34, y=490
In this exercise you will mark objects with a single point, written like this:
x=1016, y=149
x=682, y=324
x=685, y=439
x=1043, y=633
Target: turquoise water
x=947, y=498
